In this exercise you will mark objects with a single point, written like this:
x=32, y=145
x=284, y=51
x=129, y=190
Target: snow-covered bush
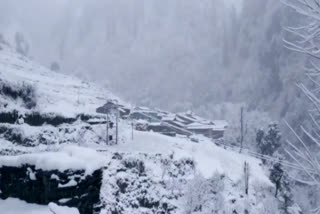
x=22, y=46
x=130, y=188
x=36, y=118
x=28, y=94
x=134, y=164
x=205, y=195
x=25, y=91
x=9, y=116
x=55, y=66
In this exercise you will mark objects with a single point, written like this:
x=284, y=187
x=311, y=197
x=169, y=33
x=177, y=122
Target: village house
x=112, y=106
x=156, y=123
x=172, y=124
x=181, y=123
x=197, y=125
x=212, y=131
x=144, y=113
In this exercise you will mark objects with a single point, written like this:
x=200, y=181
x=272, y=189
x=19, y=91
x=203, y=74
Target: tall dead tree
x=243, y=128
x=246, y=177
x=107, y=129
x=117, y=124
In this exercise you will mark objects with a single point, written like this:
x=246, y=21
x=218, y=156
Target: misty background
x=209, y=56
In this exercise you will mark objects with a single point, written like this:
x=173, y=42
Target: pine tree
x=283, y=187
x=272, y=139
x=276, y=175
x=259, y=137
x=269, y=143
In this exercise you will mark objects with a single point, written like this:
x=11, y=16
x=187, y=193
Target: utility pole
x=246, y=177
x=241, y=129
x=78, y=93
x=132, y=129
x=107, y=135
x=117, y=123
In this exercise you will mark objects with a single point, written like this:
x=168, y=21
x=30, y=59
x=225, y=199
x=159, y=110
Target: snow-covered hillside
x=55, y=92
x=150, y=173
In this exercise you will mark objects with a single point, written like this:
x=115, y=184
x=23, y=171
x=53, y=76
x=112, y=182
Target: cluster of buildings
x=168, y=123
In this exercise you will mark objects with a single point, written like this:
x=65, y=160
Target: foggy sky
x=131, y=46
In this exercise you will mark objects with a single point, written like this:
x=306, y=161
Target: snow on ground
x=16, y=206
x=56, y=93
x=65, y=95
x=68, y=157
x=69, y=96
x=209, y=157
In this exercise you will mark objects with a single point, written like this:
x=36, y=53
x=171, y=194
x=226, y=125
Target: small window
x=110, y=137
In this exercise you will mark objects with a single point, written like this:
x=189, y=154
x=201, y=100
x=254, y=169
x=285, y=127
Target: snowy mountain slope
x=150, y=173
x=55, y=92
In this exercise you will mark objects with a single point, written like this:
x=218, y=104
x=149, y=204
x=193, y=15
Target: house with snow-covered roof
x=144, y=113
x=112, y=106
x=157, y=122
x=186, y=123
x=211, y=130
x=199, y=125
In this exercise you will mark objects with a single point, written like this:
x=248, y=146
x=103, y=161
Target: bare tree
x=243, y=128
x=306, y=40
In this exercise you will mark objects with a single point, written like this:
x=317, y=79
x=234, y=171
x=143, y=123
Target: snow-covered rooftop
x=201, y=126
x=221, y=123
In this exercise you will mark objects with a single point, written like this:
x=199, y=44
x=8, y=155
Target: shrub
x=26, y=92
x=28, y=95
x=134, y=163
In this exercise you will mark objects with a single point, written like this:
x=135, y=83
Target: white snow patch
x=69, y=157
x=71, y=183
x=64, y=200
x=209, y=157
x=55, y=177
x=62, y=210
x=32, y=175
x=16, y=206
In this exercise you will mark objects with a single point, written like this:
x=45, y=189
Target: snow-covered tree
x=22, y=46
x=205, y=195
x=305, y=39
x=269, y=142
x=283, y=189
x=55, y=66
x=276, y=176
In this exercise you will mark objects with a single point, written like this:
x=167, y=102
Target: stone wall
x=68, y=188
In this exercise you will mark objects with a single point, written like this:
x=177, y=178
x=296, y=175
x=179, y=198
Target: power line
x=269, y=158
